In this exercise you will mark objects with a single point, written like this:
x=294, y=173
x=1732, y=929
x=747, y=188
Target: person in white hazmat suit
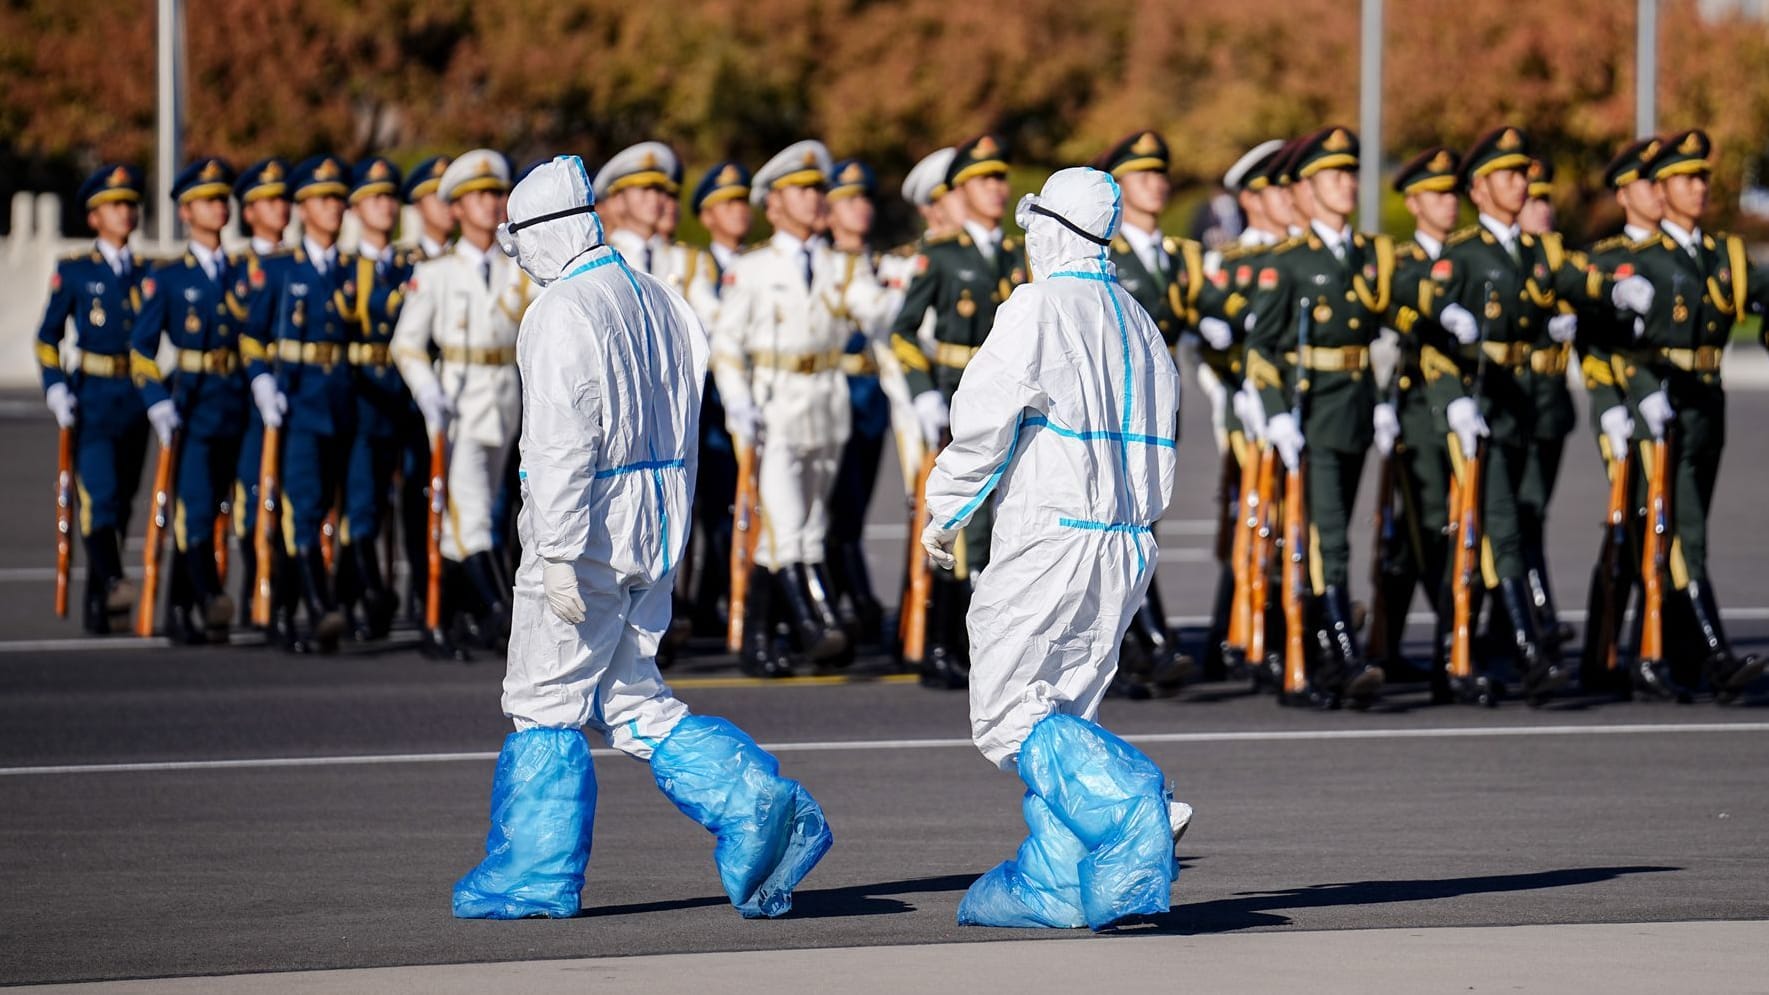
x=611, y=362
x=1068, y=419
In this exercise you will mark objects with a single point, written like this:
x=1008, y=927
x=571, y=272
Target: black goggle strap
x=1066, y=223
x=515, y=226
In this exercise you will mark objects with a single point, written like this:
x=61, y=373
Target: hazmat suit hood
x=553, y=221
x=1070, y=223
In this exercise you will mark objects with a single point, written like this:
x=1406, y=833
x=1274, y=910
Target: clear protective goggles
x=506, y=232
x=1030, y=206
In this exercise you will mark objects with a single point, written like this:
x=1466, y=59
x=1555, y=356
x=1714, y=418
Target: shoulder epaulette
x=1613, y=242
x=1410, y=249
x=1294, y=241
x=1461, y=235
x=952, y=237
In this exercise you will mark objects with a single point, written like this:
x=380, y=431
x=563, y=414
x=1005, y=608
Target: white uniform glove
x=1216, y=332
x=1466, y=421
x=1459, y=321
x=1562, y=327
x=559, y=582
x=930, y=409
x=1634, y=293
x=163, y=416
x=1387, y=425
x=1618, y=427
x=1251, y=410
x=939, y=542
x=1656, y=409
x=744, y=421
x=436, y=407
x=61, y=403
x=272, y=405
x=1286, y=435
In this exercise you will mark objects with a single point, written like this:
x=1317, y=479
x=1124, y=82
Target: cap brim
x=113, y=197
x=721, y=195
x=265, y=191
x=206, y=191
x=1146, y=164
x=422, y=190
x=1338, y=160
x=800, y=178
x=987, y=167
x=644, y=178
x=313, y=190
x=368, y=190
x=1431, y=184
x=1683, y=168
x=478, y=183
x=1513, y=160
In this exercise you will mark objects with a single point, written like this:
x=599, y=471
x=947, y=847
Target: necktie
x=647, y=257
x=1512, y=251
x=485, y=272
x=805, y=258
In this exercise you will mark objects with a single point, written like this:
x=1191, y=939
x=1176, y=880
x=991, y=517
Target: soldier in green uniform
x=1602, y=332
x=1318, y=302
x=1514, y=282
x=1548, y=359
x=1702, y=283
x=1418, y=550
x=964, y=278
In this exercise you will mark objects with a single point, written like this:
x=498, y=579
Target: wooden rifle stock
x=1296, y=581
x=158, y=522
x=266, y=524
x=433, y=531
x=1656, y=553
x=1609, y=565
x=1241, y=555
x=745, y=532
x=64, y=519
x=1466, y=570
x=1259, y=559
x=921, y=575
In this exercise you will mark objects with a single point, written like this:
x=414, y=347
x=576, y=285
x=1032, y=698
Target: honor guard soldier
x=1702, y=284
x=1549, y=359
x=1166, y=276
x=925, y=189
x=853, y=189
x=635, y=189
x=100, y=292
x=963, y=277
x=383, y=406
x=190, y=302
x=721, y=202
x=466, y=306
x=313, y=390
x=1312, y=371
x=1494, y=290
x=437, y=220
x=1603, y=335
x=784, y=318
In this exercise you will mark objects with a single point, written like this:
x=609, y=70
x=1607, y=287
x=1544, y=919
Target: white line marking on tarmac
x=837, y=746
x=898, y=531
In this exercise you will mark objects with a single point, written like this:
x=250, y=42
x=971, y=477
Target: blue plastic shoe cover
x=543, y=804
x=770, y=830
x=1041, y=886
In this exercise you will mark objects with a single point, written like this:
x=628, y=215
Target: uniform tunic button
x=1351, y=323
x=1351, y=295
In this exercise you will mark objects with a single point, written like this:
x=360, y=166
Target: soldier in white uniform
x=635, y=194
x=785, y=314
x=469, y=304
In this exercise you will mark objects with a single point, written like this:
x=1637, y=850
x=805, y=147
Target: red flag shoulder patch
x=1268, y=278
x=55, y=281
x=1219, y=279
x=1624, y=271
x=1243, y=275
x=1442, y=269
x=148, y=287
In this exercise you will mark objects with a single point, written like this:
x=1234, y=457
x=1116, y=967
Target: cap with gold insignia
x=1282, y=171
x=1329, y=148
x=1433, y=170
x=424, y=178
x=852, y=178
x=1142, y=151
x=926, y=182
x=320, y=176
x=728, y=180
x=207, y=178
x=111, y=184
x=373, y=177
x=1680, y=154
x=1629, y=164
x=1252, y=171
x=647, y=164
x=263, y=180
x=480, y=169
x=801, y=164
x=1497, y=150
x=1541, y=178
x=981, y=156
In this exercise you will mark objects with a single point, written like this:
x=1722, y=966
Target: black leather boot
x=820, y=588
x=1553, y=633
x=493, y=596
x=1359, y=679
x=855, y=580
x=1220, y=659
x=941, y=667
x=1169, y=669
x=819, y=636
x=104, y=570
x=1726, y=673
x=762, y=654
x=316, y=593
x=439, y=643
x=1538, y=665
x=378, y=602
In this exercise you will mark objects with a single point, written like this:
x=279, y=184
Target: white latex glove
x=163, y=416
x=1618, y=427
x=1639, y=327
x=1286, y=435
x=930, y=409
x=1216, y=332
x=1251, y=410
x=272, y=405
x=1387, y=425
x=1655, y=408
x=744, y=421
x=1562, y=327
x=61, y=403
x=1459, y=321
x=559, y=582
x=939, y=542
x=438, y=410
x=1634, y=293
x=1466, y=421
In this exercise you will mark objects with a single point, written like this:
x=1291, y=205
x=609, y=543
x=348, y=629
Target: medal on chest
x=95, y=317
x=966, y=306
x=192, y=323
x=1679, y=311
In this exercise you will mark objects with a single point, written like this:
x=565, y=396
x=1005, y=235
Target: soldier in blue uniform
x=100, y=292
x=436, y=219
x=314, y=385
x=189, y=301
x=263, y=192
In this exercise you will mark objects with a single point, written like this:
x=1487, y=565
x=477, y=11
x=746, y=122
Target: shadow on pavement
x=1252, y=909
x=822, y=903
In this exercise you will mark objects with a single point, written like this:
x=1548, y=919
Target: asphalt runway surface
x=168, y=813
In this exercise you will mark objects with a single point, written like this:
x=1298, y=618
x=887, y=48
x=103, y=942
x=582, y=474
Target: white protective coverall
x=1067, y=418
x=611, y=361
